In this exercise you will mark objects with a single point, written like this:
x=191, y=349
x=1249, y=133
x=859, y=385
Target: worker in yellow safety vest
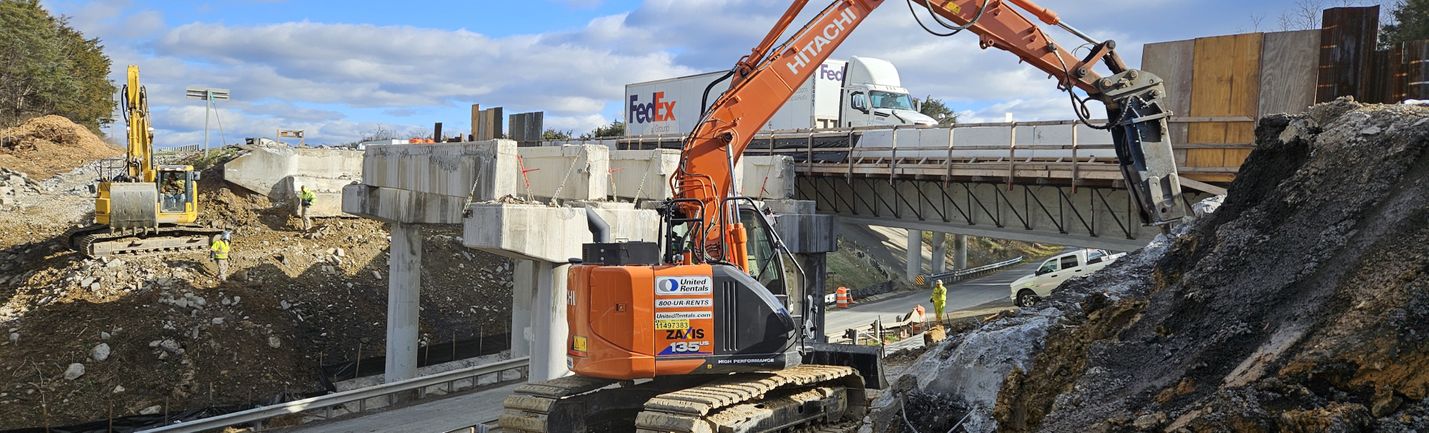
x=219, y=253
x=939, y=299
x=305, y=201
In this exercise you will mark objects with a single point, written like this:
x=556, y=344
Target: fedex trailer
x=841, y=94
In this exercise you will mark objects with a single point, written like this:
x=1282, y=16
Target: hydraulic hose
x=955, y=28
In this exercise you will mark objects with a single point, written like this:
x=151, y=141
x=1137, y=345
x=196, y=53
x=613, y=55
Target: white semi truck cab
x=858, y=92
x=873, y=95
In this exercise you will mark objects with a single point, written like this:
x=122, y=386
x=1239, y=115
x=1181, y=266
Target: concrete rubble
x=280, y=172
x=1300, y=305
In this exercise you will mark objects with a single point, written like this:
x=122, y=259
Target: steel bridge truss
x=1086, y=216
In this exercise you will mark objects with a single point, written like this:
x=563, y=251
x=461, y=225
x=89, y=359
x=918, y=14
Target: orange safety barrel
x=841, y=297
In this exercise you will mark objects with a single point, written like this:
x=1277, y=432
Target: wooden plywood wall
x=1172, y=62
x=1217, y=87
x=1225, y=83
x=1285, y=87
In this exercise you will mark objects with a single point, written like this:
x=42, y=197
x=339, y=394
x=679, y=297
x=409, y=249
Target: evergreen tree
x=48, y=67
x=616, y=128
x=1411, y=22
x=934, y=107
x=556, y=135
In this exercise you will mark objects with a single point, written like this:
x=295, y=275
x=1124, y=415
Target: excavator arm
x=762, y=82
x=1133, y=98
x=768, y=76
x=139, y=158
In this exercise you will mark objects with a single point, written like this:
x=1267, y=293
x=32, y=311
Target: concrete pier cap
x=551, y=233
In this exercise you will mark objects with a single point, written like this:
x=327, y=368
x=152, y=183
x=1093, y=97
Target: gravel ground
x=176, y=339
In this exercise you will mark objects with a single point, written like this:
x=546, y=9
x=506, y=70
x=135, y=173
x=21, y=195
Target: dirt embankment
x=49, y=145
x=1302, y=305
x=162, y=333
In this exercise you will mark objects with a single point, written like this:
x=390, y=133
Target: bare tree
x=380, y=132
x=1255, y=21
x=1305, y=14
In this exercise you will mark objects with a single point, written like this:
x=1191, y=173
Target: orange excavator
x=711, y=329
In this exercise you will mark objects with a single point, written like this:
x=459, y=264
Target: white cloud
x=339, y=80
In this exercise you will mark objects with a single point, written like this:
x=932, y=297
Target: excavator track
x=806, y=398
x=99, y=241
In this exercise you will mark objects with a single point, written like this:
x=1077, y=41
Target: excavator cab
x=178, y=201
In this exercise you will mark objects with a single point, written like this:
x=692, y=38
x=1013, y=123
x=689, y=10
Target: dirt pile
x=175, y=338
x=1301, y=305
x=49, y=145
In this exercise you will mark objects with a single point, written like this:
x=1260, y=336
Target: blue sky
x=340, y=70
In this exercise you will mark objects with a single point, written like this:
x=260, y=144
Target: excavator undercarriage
x=104, y=241
x=813, y=398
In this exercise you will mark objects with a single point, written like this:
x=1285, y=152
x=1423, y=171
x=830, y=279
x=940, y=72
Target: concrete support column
x=915, y=253
x=404, y=285
x=523, y=291
x=940, y=253
x=548, y=322
x=960, y=251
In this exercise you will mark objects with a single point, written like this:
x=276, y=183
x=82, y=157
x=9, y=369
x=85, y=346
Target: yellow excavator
x=143, y=208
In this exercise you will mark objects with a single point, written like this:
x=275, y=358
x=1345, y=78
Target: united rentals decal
x=684, y=316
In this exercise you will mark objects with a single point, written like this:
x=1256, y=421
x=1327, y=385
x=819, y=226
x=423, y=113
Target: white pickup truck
x=1030, y=289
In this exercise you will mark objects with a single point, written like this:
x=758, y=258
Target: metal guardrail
x=328, y=402
x=962, y=274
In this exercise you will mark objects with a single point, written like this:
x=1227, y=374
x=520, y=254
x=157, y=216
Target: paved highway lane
x=962, y=295
x=437, y=415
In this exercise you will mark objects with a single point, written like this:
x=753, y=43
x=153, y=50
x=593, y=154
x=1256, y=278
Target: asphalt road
x=439, y=415
x=978, y=292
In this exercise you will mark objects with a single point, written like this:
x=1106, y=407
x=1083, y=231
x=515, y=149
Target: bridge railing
x=963, y=274
x=328, y=403
x=1066, y=149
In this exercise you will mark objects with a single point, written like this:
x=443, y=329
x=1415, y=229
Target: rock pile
x=1301, y=305
x=12, y=185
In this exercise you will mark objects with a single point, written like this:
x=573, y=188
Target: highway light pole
x=208, y=95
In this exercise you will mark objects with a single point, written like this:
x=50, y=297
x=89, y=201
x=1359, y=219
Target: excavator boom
x=139, y=158
x=706, y=172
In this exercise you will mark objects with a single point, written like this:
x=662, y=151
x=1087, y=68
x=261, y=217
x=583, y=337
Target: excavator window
x=175, y=188
x=765, y=263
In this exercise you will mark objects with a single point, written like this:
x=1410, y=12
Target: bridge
x=1050, y=181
